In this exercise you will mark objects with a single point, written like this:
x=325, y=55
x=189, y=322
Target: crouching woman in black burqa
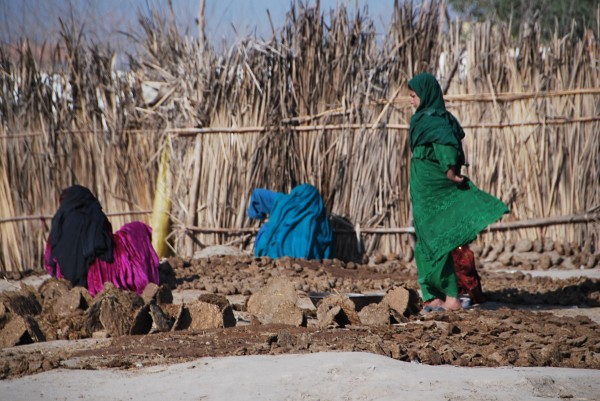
x=82, y=248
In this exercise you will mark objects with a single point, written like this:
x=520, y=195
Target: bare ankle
x=434, y=302
x=452, y=303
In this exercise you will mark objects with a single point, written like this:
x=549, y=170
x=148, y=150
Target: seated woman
x=82, y=248
x=297, y=226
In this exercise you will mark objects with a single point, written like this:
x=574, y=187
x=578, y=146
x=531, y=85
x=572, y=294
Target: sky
x=105, y=20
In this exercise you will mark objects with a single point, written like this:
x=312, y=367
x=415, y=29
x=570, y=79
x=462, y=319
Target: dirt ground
x=530, y=320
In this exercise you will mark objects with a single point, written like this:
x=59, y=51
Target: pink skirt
x=135, y=262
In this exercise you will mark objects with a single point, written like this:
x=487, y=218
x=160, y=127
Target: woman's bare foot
x=435, y=302
x=452, y=304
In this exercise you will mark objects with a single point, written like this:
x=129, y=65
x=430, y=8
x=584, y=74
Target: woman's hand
x=456, y=178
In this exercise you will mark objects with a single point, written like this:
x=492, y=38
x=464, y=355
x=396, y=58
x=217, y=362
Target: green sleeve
x=446, y=155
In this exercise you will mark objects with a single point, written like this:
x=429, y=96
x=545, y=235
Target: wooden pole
x=331, y=127
x=201, y=34
x=47, y=217
x=512, y=225
x=550, y=221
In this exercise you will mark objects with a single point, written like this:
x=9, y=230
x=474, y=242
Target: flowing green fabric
x=446, y=215
x=437, y=279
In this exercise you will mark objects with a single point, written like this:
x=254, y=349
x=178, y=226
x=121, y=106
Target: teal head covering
x=432, y=123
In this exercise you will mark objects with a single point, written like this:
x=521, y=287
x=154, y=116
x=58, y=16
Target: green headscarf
x=432, y=123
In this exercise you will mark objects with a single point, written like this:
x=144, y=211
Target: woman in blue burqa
x=296, y=224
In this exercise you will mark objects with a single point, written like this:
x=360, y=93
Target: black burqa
x=80, y=233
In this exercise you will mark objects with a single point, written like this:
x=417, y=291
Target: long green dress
x=446, y=215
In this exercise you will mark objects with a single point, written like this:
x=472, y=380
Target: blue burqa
x=298, y=224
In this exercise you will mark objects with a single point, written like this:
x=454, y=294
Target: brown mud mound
x=130, y=330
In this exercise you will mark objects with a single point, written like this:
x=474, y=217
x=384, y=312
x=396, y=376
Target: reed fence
x=324, y=101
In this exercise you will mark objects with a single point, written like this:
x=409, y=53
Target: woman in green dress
x=448, y=209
